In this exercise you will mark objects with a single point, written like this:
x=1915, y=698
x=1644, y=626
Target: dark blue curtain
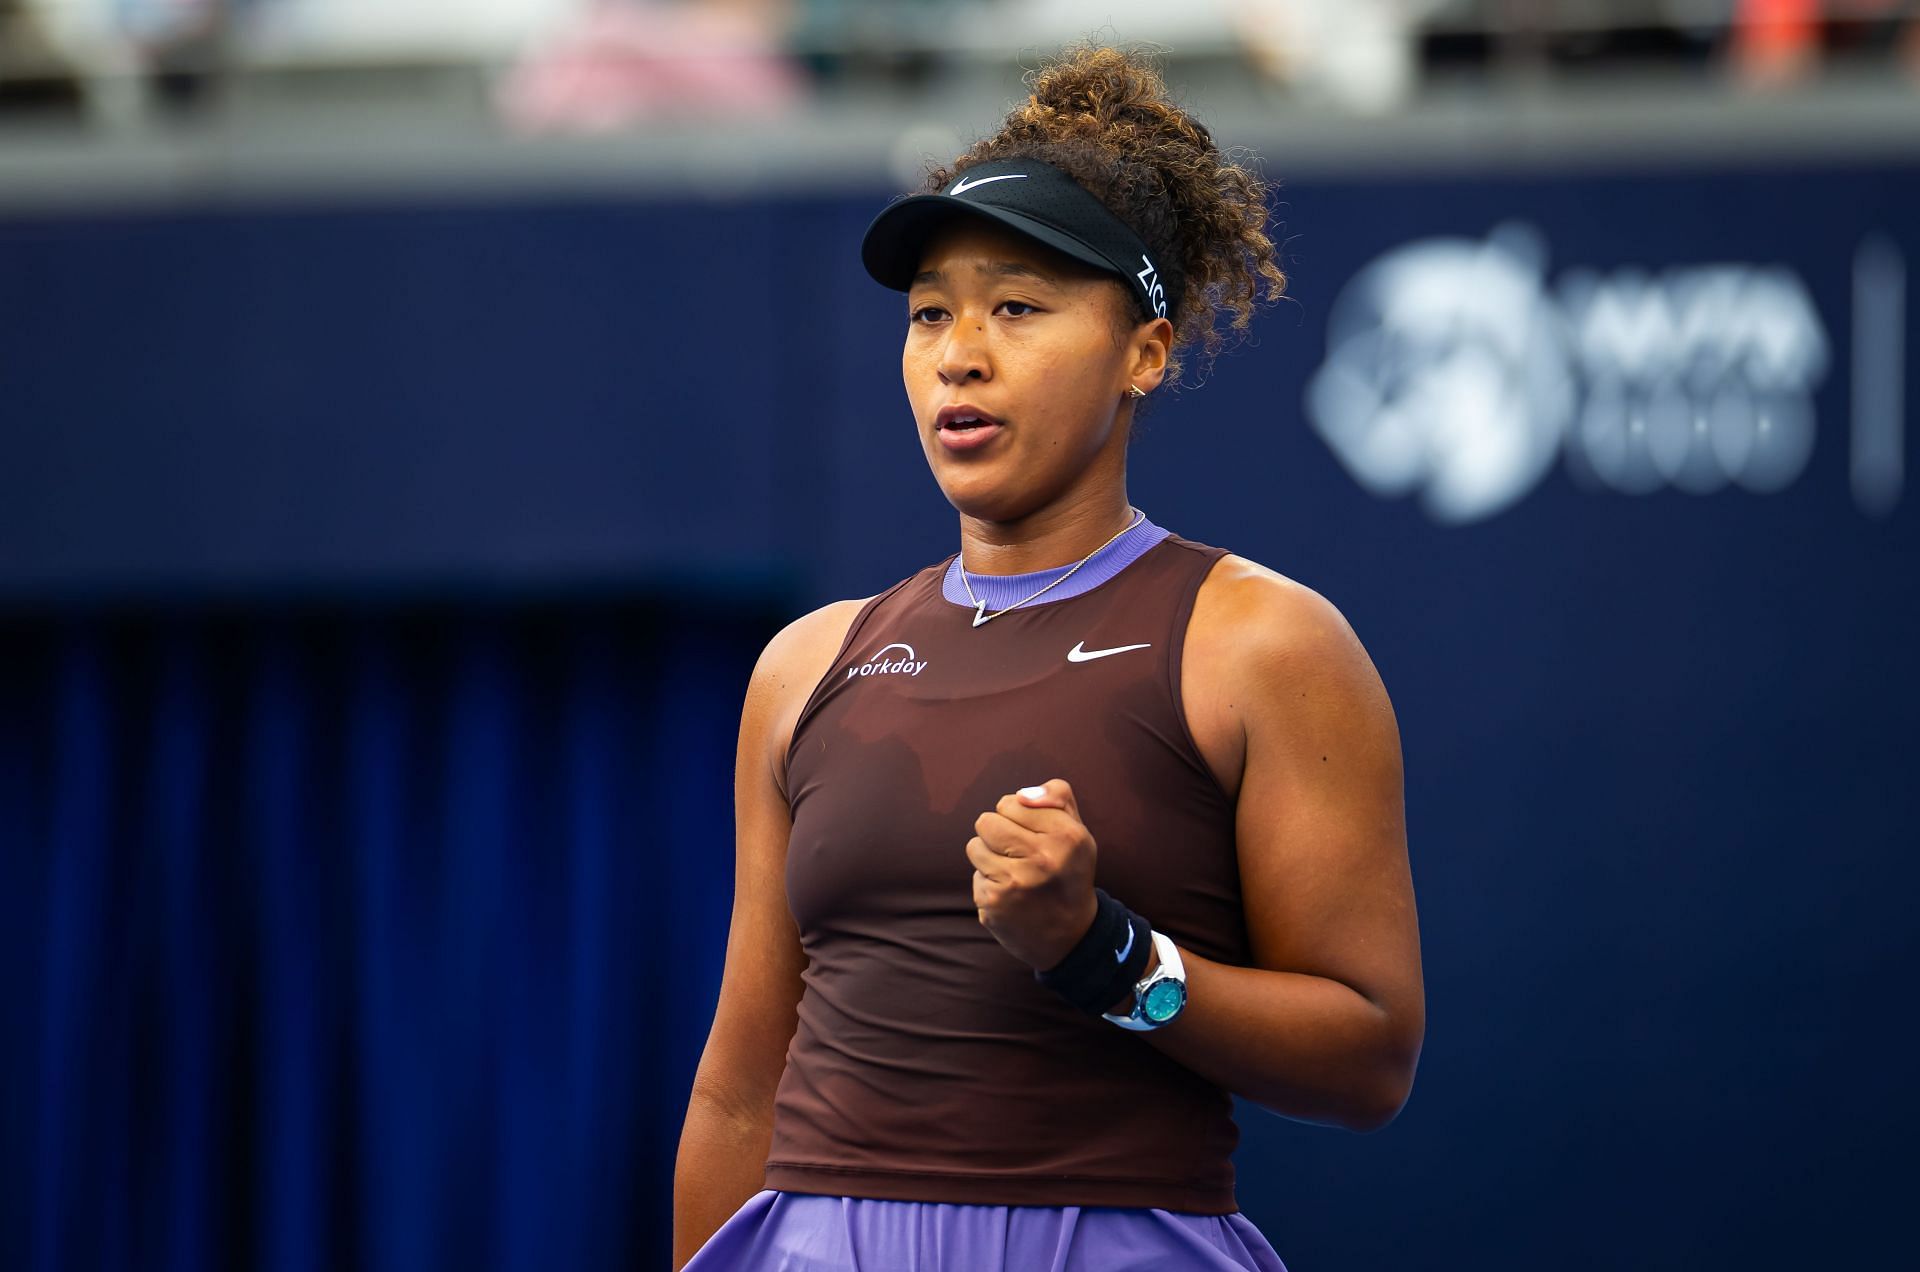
x=378, y=939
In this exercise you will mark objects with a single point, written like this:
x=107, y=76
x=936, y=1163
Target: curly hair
x=1104, y=117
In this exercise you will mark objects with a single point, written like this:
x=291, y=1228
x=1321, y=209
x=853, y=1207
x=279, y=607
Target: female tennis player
x=1050, y=848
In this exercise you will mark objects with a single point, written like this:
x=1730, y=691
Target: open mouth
x=962, y=427
x=962, y=418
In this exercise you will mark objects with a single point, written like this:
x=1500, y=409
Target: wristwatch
x=1159, y=999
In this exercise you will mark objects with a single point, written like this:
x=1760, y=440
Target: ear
x=1147, y=353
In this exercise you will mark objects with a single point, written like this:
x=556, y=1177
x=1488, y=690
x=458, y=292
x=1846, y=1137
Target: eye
x=924, y=314
x=1018, y=308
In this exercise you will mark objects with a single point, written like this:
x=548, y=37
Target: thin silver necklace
x=980, y=614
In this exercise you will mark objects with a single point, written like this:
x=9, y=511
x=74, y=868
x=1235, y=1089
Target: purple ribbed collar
x=1000, y=591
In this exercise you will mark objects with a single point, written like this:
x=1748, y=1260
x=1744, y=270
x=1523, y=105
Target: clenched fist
x=1033, y=873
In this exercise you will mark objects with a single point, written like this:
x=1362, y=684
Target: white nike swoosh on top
x=1081, y=654
x=1121, y=957
x=971, y=182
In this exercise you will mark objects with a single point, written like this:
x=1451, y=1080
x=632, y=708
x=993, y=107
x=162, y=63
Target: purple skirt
x=796, y=1232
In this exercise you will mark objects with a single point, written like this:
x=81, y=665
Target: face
x=1017, y=363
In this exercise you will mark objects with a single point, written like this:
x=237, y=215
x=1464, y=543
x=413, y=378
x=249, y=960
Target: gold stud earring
x=1135, y=391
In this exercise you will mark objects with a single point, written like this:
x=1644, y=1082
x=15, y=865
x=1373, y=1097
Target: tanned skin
x=1282, y=700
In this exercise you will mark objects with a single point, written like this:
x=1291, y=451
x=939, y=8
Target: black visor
x=1031, y=198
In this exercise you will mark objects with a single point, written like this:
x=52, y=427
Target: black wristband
x=1101, y=970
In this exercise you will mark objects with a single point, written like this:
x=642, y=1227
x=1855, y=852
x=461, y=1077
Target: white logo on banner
x=1454, y=370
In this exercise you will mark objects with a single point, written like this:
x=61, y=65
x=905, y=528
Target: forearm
x=722, y=1163
x=1306, y=1047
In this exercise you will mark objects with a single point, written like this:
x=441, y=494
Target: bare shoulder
x=801, y=652
x=1258, y=620
x=1262, y=646
x=792, y=663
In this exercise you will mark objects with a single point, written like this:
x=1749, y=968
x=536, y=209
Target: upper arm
x=1320, y=816
x=760, y=986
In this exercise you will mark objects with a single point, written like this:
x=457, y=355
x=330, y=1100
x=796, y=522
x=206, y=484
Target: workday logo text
x=1457, y=372
x=880, y=665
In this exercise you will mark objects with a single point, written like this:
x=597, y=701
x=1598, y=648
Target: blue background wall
x=381, y=583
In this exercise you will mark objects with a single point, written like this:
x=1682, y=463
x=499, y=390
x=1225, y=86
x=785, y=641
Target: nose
x=964, y=355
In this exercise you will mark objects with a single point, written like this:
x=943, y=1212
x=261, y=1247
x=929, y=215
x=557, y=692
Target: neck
x=1059, y=534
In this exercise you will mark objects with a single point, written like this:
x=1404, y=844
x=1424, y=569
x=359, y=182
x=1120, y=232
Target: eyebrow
x=999, y=269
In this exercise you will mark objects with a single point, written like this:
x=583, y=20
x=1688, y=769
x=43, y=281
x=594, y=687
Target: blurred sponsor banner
x=1458, y=371
x=485, y=393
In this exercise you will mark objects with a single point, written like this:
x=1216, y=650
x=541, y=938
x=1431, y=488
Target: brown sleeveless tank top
x=928, y=1064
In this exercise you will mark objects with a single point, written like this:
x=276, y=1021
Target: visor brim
x=897, y=239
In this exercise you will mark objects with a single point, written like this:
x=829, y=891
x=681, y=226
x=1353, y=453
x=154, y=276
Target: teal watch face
x=1163, y=1001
